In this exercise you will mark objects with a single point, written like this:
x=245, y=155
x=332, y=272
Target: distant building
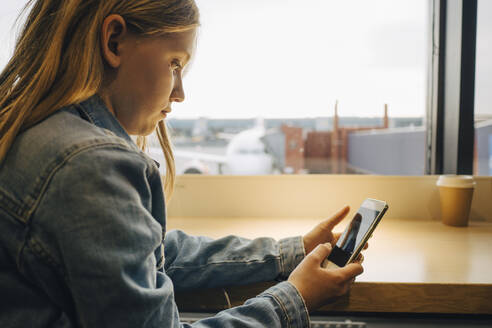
x=327, y=152
x=294, y=149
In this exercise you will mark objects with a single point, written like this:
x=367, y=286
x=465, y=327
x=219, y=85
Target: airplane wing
x=225, y=136
x=192, y=155
x=200, y=156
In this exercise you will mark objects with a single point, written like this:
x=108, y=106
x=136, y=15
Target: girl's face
x=147, y=79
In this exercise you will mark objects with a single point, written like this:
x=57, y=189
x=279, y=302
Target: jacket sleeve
x=201, y=262
x=94, y=227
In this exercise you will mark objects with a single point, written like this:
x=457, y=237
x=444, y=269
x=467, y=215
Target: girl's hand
x=318, y=285
x=322, y=233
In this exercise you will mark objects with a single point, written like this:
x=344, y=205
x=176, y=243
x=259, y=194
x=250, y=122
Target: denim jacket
x=82, y=227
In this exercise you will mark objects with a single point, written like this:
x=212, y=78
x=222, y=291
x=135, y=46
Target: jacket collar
x=94, y=109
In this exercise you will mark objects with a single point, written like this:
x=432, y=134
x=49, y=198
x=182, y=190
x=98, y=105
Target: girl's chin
x=147, y=129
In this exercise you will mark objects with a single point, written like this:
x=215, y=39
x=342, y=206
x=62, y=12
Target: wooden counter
x=416, y=266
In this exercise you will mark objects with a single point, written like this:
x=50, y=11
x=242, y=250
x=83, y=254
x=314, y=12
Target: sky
x=295, y=58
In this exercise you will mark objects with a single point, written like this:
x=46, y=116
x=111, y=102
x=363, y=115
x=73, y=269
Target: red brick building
x=322, y=151
x=294, y=149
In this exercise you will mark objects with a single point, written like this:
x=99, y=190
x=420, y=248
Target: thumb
x=320, y=253
x=352, y=270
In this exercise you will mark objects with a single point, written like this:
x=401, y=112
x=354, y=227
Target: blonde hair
x=57, y=60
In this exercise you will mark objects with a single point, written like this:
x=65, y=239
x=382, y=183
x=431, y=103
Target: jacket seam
x=303, y=303
x=11, y=206
x=273, y=258
x=282, y=305
x=36, y=248
x=282, y=265
x=89, y=116
x=38, y=200
x=56, y=168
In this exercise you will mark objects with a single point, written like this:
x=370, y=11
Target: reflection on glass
x=358, y=228
x=348, y=241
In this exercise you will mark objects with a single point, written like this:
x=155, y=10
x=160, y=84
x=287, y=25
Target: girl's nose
x=177, y=94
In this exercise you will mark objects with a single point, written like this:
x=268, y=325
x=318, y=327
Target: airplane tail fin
x=260, y=123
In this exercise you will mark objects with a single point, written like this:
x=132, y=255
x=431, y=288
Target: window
x=313, y=86
x=317, y=86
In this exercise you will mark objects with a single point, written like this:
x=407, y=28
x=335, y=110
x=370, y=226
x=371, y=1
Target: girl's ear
x=113, y=32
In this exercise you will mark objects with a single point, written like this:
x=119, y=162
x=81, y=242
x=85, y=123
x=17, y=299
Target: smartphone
x=355, y=236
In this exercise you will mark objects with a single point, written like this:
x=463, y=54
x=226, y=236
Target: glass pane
x=483, y=96
x=312, y=86
x=291, y=86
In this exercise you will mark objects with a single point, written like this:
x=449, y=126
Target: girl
x=82, y=212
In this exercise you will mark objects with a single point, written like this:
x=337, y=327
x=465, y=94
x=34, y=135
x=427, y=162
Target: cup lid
x=456, y=181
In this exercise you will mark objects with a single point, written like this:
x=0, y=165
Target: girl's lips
x=166, y=111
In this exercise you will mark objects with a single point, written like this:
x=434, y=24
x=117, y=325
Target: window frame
x=451, y=87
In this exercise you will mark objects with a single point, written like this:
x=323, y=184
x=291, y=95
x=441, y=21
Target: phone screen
x=353, y=235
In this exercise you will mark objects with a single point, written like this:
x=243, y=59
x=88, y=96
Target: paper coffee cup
x=456, y=193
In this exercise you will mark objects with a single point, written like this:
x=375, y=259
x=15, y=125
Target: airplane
x=246, y=154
